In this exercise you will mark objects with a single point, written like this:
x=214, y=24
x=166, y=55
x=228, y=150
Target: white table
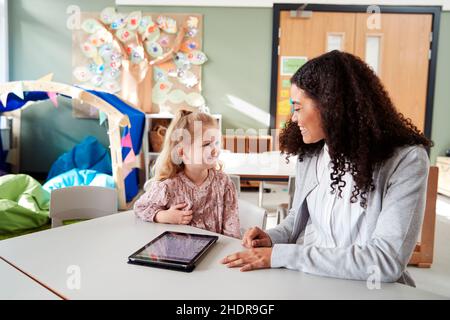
x=266, y=166
x=16, y=285
x=100, y=248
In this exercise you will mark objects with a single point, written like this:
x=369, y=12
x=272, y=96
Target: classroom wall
x=236, y=78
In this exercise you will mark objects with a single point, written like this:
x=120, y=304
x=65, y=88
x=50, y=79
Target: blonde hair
x=165, y=167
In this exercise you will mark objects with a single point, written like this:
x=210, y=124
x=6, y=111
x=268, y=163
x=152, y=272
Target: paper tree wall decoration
x=152, y=61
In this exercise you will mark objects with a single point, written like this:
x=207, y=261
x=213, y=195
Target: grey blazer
x=394, y=216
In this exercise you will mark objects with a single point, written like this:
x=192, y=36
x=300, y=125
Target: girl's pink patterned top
x=214, y=203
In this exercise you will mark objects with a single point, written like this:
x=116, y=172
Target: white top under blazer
x=334, y=221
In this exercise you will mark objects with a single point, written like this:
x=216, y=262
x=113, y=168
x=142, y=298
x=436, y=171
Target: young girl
x=188, y=186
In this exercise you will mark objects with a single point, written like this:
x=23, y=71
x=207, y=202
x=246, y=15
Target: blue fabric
x=77, y=177
x=14, y=102
x=88, y=154
x=137, y=121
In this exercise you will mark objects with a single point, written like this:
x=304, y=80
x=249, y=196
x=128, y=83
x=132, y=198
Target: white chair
x=237, y=183
x=283, y=209
x=251, y=215
x=84, y=202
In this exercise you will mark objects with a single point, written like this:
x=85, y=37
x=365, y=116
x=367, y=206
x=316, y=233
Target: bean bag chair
x=88, y=154
x=77, y=177
x=24, y=204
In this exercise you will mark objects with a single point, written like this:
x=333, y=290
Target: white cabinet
x=443, y=163
x=151, y=121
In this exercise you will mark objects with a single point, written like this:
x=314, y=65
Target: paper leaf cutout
x=153, y=49
x=125, y=35
x=177, y=96
x=108, y=15
x=197, y=57
x=144, y=23
x=133, y=20
x=91, y=26
x=167, y=24
x=119, y=21
x=195, y=99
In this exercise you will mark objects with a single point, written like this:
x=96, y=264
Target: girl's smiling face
x=203, y=152
x=307, y=116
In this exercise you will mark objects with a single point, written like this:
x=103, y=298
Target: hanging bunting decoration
x=126, y=141
x=101, y=117
x=18, y=89
x=4, y=98
x=46, y=78
x=126, y=171
x=131, y=157
x=53, y=98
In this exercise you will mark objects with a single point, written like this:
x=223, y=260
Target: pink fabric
x=214, y=203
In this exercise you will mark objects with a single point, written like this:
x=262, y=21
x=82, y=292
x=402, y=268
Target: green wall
x=441, y=111
x=236, y=40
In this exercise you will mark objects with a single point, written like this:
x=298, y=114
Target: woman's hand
x=174, y=215
x=256, y=258
x=255, y=237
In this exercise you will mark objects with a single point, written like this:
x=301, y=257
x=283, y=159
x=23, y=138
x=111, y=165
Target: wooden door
x=404, y=45
x=398, y=49
x=307, y=37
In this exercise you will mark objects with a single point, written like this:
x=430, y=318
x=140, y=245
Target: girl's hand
x=257, y=258
x=174, y=215
x=255, y=237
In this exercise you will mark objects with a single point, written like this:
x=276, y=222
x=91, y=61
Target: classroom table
x=98, y=250
x=263, y=167
x=16, y=285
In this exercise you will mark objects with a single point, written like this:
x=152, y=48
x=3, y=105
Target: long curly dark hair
x=361, y=125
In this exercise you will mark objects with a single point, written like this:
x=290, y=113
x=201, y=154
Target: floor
x=435, y=279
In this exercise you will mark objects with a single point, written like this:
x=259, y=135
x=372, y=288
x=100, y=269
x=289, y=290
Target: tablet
x=173, y=250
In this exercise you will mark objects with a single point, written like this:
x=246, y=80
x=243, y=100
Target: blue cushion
x=88, y=154
x=77, y=177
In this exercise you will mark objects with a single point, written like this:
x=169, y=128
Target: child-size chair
x=82, y=202
x=251, y=215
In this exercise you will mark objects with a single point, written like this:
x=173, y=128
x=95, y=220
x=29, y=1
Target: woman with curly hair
x=360, y=181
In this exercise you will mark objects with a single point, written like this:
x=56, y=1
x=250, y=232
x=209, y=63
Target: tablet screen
x=174, y=246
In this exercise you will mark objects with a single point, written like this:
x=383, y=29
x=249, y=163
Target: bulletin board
x=152, y=61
